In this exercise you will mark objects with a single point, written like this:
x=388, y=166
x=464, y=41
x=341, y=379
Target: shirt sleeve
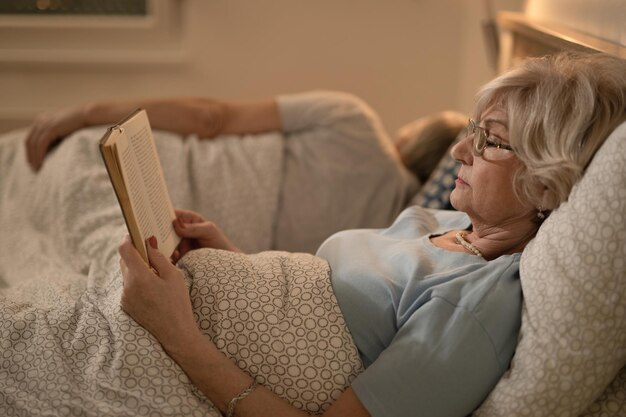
x=339, y=161
x=442, y=362
x=344, y=112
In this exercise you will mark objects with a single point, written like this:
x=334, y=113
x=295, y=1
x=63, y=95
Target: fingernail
x=152, y=241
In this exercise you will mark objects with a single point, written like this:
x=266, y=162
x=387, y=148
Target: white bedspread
x=58, y=215
x=65, y=345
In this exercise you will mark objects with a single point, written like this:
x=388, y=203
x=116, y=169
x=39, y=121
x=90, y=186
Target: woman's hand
x=156, y=297
x=197, y=232
x=49, y=128
x=158, y=300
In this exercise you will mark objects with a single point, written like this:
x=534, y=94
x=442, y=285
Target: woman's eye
x=493, y=142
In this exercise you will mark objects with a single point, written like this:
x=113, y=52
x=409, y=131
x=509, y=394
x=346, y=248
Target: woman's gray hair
x=560, y=110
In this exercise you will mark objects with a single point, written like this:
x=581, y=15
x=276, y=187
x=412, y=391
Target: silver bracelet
x=230, y=412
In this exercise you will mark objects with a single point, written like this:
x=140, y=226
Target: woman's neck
x=508, y=238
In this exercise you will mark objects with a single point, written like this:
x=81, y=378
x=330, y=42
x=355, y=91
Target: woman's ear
x=547, y=199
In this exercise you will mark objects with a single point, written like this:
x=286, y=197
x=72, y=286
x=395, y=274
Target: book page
x=144, y=179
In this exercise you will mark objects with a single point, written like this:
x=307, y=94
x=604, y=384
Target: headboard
x=521, y=37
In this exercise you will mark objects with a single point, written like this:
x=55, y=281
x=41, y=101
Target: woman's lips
x=459, y=181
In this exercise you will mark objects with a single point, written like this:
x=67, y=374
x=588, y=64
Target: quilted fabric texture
x=572, y=348
x=275, y=315
x=435, y=193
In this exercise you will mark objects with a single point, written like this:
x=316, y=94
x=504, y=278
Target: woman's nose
x=462, y=150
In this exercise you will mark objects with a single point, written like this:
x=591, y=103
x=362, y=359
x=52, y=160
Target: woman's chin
x=456, y=200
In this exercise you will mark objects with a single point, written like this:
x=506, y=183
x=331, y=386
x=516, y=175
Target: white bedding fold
x=54, y=220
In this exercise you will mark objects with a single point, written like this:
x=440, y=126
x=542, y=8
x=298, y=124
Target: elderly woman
x=433, y=302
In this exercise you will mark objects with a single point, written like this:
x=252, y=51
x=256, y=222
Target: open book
x=132, y=161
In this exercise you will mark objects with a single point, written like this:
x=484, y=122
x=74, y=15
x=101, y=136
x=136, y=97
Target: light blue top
x=435, y=329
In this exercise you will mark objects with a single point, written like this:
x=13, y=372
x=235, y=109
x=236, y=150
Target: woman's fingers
x=204, y=230
x=160, y=303
x=175, y=256
x=133, y=265
x=158, y=261
x=129, y=253
x=181, y=212
x=198, y=228
x=179, y=226
x=188, y=216
x=198, y=232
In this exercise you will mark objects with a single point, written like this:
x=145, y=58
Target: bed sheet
x=65, y=343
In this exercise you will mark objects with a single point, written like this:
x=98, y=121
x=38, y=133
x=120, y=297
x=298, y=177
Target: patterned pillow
x=572, y=348
x=435, y=193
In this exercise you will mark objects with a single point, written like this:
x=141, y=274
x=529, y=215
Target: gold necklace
x=460, y=238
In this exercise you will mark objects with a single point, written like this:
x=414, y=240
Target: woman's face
x=484, y=187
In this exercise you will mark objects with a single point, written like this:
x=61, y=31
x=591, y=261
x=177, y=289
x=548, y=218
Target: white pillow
x=572, y=348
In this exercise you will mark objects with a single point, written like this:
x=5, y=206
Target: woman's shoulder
x=490, y=290
x=430, y=221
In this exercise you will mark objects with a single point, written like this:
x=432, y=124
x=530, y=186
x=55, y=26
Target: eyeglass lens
x=479, y=137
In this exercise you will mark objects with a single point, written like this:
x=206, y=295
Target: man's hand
x=49, y=128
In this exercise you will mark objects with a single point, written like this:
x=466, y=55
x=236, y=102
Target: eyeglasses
x=485, y=145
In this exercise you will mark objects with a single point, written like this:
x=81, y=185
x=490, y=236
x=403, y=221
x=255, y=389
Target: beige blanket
x=276, y=316
x=68, y=346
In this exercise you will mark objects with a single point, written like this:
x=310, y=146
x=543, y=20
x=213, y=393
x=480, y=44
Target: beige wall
x=405, y=57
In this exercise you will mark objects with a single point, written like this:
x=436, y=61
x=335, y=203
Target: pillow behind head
x=573, y=274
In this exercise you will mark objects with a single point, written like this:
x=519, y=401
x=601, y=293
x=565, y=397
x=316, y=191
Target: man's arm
x=205, y=117
x=201, y=116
